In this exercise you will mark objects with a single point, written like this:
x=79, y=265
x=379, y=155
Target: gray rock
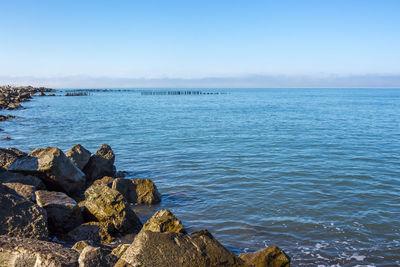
x=27, y=191
x=20, y=217
x=18, y=252
x=126, y=187
x=79, y=155
x=13, y=177
x=63, y=212
x=54, y=168
x=96, y=257
x=87, y=231
x=164, y=221
x=8, y=156
x=176, y=249
x=270, y=257
x=100, y=164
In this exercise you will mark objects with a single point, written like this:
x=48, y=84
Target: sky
x=71, y=43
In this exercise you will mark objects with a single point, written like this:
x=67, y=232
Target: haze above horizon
x=203, y=43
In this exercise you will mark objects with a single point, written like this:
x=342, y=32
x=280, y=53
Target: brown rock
x=20, y=217
x=96, y=257
x=269, y=257
x=63, y=212
x=164, y=221
x=118, y=251
x=109, y=206
x=146, y=191
x=8, y=156
x=107, y=180
x=18, y=252
x=27, y=191
x=176, y=249
x=80, y=245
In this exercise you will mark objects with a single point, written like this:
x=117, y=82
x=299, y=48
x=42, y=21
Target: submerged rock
x=96, y=257
x=27, y=191
x=63, y=212
x=100, y=164
x=109, y=206
x=79, y=156
x=176, y=249
x=18, y=252
x=164, y=221
x=54, y=168
x=20, y=217
x=269, y=257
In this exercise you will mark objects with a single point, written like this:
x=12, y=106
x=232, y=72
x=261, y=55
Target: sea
x=314, y=171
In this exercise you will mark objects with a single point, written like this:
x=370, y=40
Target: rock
x=8, y=156
x=146, y=191
x=20, y=217
x=164, y=221
x=96, y=257
x=86, y=231
x=127, y=188
x=7, y=138
x=79, y=155
x=176, y=249
x=100, y=164
x=27, y=191
x=13, y=177
x=80, y=245
x=118, y=251
x=18, y=252
x=269, y=257
x=54, y=168
x=63, y=212
x=109, y=206
x=107, y=180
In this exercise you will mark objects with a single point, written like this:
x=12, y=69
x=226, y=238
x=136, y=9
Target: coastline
x=94, y=204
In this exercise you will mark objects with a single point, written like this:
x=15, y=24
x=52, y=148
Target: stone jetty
x=72, y=209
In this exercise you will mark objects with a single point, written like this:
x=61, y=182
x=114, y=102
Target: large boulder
x=268, y=257
x=96, y=257
x=18, y=252
x=79, y=155
x=27, y=191
x=54, y=168
x=176, y=249
x=100, y=164
x=164, y=221
x=109, y=206
x=126, y=188
x=63, y=212
x=95, y=232
x=8, y=156
x=14, y=177
x=140, y=191
x=20, y=217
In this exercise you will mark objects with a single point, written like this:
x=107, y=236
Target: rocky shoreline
x=75, y=209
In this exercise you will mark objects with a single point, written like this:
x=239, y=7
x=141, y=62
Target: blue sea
x=314, y=171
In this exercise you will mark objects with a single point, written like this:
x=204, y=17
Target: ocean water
x=314, y=171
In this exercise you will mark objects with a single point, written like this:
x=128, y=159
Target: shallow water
x=314, y=171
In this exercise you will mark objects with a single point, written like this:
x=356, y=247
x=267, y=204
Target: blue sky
x=82, y=40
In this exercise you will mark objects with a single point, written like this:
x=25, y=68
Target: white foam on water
x=357, y=257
